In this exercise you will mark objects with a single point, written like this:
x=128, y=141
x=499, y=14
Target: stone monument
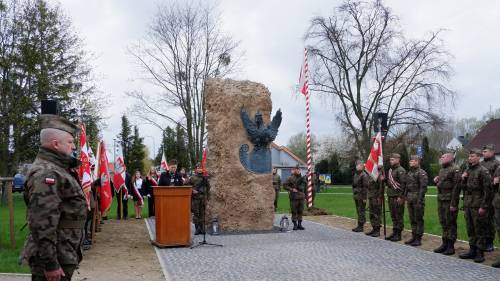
x=238, y=161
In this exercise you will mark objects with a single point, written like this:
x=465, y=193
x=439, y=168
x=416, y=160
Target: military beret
x=476, y=151
x=415, y=157
x=489, y=147
x=51, y=121
x=395, y=155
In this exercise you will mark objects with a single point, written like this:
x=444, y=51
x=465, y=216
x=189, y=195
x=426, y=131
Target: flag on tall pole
x=375, y=159
x=304, y=89
x=105, y=188
x=120, y=169
x=84, y=172
x=163, y=163
x=204, y=163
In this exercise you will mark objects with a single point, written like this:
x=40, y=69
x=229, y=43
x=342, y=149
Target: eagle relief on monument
x=259, y=159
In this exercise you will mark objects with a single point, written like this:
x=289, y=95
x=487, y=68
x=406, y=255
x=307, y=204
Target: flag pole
x=305, y=91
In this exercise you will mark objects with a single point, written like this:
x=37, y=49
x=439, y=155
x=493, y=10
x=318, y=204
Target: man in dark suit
x=171, y=177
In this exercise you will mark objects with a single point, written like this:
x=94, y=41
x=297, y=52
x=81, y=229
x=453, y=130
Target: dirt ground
x=429, y=242
x=122, y=252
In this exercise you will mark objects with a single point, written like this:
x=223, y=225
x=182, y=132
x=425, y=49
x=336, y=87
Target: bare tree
x=366, y=65
x=184, y=46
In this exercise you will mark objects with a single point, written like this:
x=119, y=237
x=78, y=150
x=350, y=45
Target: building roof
x=289, y=152
x=489, y=134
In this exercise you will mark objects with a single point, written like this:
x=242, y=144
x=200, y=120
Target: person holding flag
x=373, y=166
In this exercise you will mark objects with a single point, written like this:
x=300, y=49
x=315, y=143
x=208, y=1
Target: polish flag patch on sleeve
x=50, y=181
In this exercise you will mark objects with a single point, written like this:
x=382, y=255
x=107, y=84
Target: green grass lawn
x=8, y=256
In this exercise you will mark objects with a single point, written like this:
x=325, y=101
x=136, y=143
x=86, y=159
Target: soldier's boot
x=370, y=232
x=198, y=229
x=443, y=247
x=392, y=235
x=489, y=245
x=299, y=226
x=358, y=228
x=450, y=249
x=411, y=240
x=376, y=232
x=294, y=225
x=397, y=235
x=470, y=254
x=417, y=241
x=479, y=256
x=496, y=264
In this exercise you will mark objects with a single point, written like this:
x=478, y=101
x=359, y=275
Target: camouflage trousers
x=375, y=211
x=416, y=213
x=476, y=227
x=448, y=220
x=490, y=224
x=276, y=197
x=360, y=210
x=198, y=208
x=497, y=221
x=37, y=271
x=397, y=213
x=297, y=208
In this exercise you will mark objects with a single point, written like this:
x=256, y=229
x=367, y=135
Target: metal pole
x=10, y=203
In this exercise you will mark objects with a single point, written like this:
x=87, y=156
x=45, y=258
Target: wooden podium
x=172, y=216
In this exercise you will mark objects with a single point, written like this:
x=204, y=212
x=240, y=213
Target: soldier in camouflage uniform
x=476, y=184
x=295, y=185
x=490, y=163
x=276, y=186
x=198, y=202
x=416, y=187
x=395, y=191
x=496, y=205
x=375, y=197
x=56, y=205
x=360, y=183
x=447, y=181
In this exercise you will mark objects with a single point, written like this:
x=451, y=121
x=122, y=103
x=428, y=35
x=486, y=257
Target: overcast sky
x=271, y=33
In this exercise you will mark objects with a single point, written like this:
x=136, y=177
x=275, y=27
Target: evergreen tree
x=405, y=158
x=137, y=153
x=125, y=138
x=181, y=148
x=427, y=158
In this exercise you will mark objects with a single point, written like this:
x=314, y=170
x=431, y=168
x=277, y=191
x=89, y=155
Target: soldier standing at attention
x=200, y=190
x=56, y=205
x=360, y=183
x=375, y=197
x=416, y=187
x=276, y=186
x=490, y=163
x=447, y=180
x=395, y=191
x=295, y=185
x=476, y=184
x=496, y=205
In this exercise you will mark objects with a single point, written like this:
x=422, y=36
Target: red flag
x=203, y=162
x=103, y=174
x=375, y=158
x=304, y=76
x=163, y=164
x=120, y=169
x=84, y=172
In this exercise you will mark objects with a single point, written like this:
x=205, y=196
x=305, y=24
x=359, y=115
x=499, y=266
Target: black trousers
x=151, y=205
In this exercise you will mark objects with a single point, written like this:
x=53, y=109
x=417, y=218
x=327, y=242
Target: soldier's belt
x=71, y=224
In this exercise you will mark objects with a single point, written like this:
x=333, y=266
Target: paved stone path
x=318, y=253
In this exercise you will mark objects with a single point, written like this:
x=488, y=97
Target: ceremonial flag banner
x=84, y=172
x=375, y=158
x=163, y=164
x=204, y=162
x=304, y=89
x=105, y=189
x=120, y=169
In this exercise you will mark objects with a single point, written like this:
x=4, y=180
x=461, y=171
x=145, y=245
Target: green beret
x=476, y=151
x=51, y=121
x=415, y=157
x=489, y=147
x=395, y=155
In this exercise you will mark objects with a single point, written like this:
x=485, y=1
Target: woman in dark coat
x=151, y=181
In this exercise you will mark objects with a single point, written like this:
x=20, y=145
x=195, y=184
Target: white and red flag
x=163, y=163
x=120, y=170
x=204, y=163
x=103, y=173
x=84, y=172
x=376, y=158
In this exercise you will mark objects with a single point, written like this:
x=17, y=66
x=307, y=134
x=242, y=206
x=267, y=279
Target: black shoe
x=358, y=228
x=390, y=236
x=496, y=264
x=443, y=247
x=376, y=232
x=417, y=241
x=371, y=232
x=450, y=249
x=489, y=246
x=412, y=239
x=299, y=226
x=470, y=254
x=397, y=236
x=479, y=257
x=294, y=225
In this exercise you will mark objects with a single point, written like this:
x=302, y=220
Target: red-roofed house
x=488, y=134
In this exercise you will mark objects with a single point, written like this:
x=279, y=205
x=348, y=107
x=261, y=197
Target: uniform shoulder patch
x=50, y=181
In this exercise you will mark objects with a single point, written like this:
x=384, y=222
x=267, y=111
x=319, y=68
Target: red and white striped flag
x=376, y=158
x=105, y=188
x=163, y=164
x=84, y=172
x=304, y=89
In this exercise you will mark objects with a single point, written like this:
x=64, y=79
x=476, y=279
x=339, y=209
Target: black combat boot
x=450, y=249
x=197, y=229
x=397, y=235
x=300, y=227
x=489, y=245
x=358, y=228
x=376, y=232
x=496, y=264
x=371, y=232
x=479, y=256
x=443, y=247
x=470, y=254
x=412, y=239
x=417, y=241
x=294, y=225
x=392, y=235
